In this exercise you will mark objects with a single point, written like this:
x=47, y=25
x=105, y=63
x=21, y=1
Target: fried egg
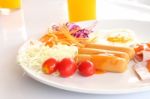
x=120, y=37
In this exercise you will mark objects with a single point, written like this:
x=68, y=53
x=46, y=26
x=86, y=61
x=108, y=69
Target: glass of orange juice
x=12, y=4
x=80, y=10
x=7, y=6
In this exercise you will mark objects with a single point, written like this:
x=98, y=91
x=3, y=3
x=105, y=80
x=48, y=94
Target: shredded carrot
x=63, y=36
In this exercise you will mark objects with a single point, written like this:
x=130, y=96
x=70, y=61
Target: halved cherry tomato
x=49, y=66
x=66, y=67
x=86, y=68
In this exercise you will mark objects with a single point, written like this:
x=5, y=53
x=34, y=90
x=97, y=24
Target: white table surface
x=34, y=18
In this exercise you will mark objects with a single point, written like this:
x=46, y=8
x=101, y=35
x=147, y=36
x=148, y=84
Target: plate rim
x=106, y=92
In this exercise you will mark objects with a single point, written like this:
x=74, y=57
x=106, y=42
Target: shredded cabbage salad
x=34, y=53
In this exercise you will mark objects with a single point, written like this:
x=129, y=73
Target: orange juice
x=80, y=10
x=12, y=4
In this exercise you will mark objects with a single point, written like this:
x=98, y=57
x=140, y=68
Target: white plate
x=108, y=83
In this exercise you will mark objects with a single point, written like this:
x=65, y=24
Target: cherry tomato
x=86, y=68
x=49, y=66
x=66, y=67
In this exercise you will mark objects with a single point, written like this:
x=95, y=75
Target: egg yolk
x=119, y=39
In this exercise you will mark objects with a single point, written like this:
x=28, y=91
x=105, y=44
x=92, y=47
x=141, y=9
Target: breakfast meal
x=68, y=49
